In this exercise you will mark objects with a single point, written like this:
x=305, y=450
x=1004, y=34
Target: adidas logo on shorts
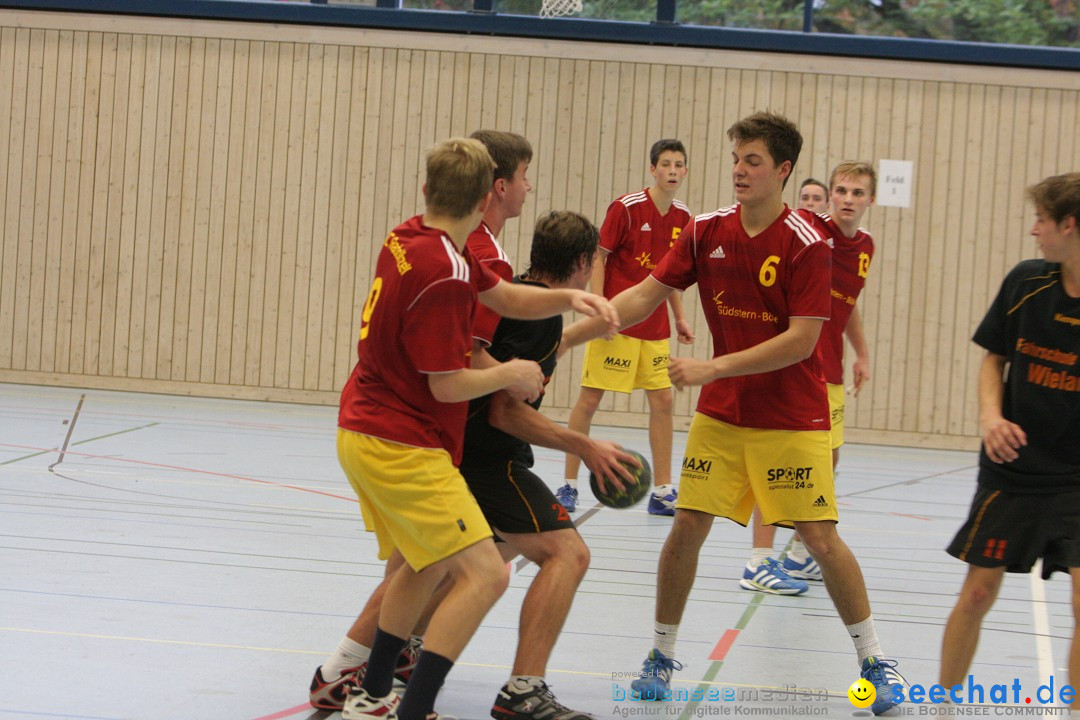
x=820, y=502
x=718, y=253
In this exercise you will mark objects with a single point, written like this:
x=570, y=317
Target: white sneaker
x=361, y=706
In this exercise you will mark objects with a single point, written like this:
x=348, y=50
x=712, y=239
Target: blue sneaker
x=655, y=678
x=883, y=676
x=808, y=569
x=663, y=505
x=567, y=497
x=769, y=577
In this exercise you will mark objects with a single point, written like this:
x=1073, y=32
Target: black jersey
x=1036, y=326
x=536, y=340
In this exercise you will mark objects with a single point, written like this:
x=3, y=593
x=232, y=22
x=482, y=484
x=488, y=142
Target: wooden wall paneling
x=459, y=95
x=384, y=127
x=220, y=248
x=288, y=369
x=305, y=239
x=817, y=114
x=888, y=142
x=40, y=270
x=172, y=222
x=333, y=300
x=194, y=127
x=926, y=166
x=9, y=167
x=27, y=88
x=145, y=262
x=263, y=82
x=202, y=317
x=246, y=126
x=352, y=285
x=130, y=284
x=60, y=269
x=1068, y=145
x=311, y=272
x=1016, y=213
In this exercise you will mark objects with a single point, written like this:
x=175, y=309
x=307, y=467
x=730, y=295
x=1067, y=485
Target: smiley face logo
x=861, y=693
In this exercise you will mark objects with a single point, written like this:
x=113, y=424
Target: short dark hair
x=666, y=145
x=782, y=139
x=814, y=181
x=560, y=240
x=507, y=149
x=1058, y=196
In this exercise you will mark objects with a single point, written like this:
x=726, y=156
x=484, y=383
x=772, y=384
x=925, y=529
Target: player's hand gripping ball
x=633, y=493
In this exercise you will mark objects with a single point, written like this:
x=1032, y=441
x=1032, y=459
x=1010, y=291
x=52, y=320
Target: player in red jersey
x=402, y=417
x=637, y=233
x=852, y=187
x=761, y=431
x=512, y=154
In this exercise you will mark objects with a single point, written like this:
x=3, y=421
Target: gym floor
x=171, y=557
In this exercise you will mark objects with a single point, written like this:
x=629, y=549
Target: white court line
x=1042, y=624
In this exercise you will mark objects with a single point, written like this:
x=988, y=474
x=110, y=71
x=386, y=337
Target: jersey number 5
x=369, y=307
x=767, y=274
x=864, y=265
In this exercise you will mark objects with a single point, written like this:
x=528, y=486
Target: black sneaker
x=536, y=702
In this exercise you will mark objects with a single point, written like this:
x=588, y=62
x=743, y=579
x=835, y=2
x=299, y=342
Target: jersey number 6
x=767, y=274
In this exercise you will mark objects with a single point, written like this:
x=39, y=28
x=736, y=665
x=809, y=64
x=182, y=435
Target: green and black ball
x=633, y=493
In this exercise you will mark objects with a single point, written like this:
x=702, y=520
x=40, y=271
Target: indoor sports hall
x=193, y=194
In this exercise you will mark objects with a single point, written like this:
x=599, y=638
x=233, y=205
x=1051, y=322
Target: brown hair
x=666, y=145
x=459, y=175
x=507, y=149
x=560, y=241
x=781, y=137
x=1058, y=196
x=854, y=168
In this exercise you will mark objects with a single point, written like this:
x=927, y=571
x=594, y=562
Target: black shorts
x=1013, y=530
x=514, y=499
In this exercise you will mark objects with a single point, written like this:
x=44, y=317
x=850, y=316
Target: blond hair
x=854, y=168
x=459, y=175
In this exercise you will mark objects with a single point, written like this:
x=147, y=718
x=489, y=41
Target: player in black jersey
x=1027, y=504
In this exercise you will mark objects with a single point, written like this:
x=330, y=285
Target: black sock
x=379, y=678
x=427, y=678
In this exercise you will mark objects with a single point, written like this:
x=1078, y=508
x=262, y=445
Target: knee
x=977, y=597
x=579, y=557
x=661, y=401
x=690, y=529
x=820, y=539
x=488, y=577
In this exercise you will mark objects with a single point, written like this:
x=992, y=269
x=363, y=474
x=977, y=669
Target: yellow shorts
x=836, y=412
x=413, y=499
x=624, y=364
x=728, y=468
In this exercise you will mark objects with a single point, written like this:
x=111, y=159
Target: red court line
x=915, y=517
x=286, y=713
x=184, y=469
x=722, y=647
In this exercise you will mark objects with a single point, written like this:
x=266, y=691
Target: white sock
x=758, y=556
x=663, y=490
x=524, y=683
x=864, y=635
x=572, y=482
x=797, y=551
x=349, y=654
x=664, y=637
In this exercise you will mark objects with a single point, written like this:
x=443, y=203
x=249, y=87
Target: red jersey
x=750, y=288
x=850, y=266
x=637, y=237
x=484, y=246
x=418, y=319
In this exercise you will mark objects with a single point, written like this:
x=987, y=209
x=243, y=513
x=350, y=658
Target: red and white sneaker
x=407, y=660
x=330, y=694
x=361, y=706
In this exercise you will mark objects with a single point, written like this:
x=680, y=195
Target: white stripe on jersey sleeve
x=498, y=248
x=458, y=265
x=634, y=198
x=803, y=229
x=682, y=206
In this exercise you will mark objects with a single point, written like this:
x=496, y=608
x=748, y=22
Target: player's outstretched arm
x=528, y=302
x=854, y=332
x=526, y=423
x=632, y=305
x=1001, y=438
x=683, y=331
x=789, y=347
x=520, y=378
